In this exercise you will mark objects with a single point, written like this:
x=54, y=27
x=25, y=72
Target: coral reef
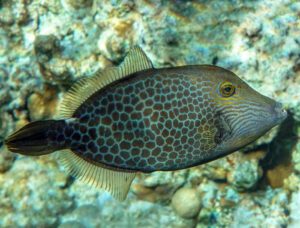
x=31, y=195
x=245, y=175
x=294, y=214
x=131, y=213
x=6, y=159
x=46, y=45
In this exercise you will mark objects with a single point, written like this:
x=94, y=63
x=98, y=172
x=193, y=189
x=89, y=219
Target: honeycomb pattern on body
x=157, y=122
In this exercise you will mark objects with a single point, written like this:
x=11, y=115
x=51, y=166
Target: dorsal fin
x=136, y=60
x=117, y=182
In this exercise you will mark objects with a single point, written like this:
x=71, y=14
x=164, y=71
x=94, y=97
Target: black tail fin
x=33, y=139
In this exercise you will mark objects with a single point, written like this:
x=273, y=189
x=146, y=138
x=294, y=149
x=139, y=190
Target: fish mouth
x=280, y=113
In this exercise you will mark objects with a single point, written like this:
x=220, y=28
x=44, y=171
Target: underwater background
x=47, y=45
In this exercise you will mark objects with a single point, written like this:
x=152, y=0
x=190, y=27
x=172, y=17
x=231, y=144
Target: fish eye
x=227, y=89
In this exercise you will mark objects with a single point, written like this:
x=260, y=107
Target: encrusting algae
x=135, y=118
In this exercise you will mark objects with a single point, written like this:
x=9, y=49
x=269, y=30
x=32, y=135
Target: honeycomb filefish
x=135, y=118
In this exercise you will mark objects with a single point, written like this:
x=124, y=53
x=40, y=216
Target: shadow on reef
x=279, y=151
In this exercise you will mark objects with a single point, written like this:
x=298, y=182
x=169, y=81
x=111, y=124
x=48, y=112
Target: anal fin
x=117, y=182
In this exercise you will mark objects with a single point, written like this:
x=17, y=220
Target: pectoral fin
x=223, y=130
x=213, y=134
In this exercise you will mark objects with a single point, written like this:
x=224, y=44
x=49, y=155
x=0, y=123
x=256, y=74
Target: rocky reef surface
x=46, y=45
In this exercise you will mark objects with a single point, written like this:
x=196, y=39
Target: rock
x=186, y=203
x=292, y=183
x=87, y=215
x=43, y=105
x=71, y=224
x=248, y=213
x=278, y=174
x=296, y=156
x=245, y=175
x=45, y=47
x=231, y=198
x=294, y=210
x=31, y=186
x=217, y=170
x=6, y=125
x=159, y=186
x=163, y=178
x=77, y=4
x=6, y=159
x=98, y=208
x=153, y=194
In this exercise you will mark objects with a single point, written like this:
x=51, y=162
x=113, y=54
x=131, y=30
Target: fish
x=135, y=118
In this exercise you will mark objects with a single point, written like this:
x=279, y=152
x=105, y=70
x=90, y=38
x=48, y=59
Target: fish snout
x=280, y=112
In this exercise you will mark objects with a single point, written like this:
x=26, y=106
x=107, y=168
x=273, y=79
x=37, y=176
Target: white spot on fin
x=117, y=182
x=135, y=61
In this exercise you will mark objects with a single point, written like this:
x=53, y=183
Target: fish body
x=136, y=118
